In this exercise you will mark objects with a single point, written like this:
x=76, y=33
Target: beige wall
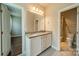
x=52, y=22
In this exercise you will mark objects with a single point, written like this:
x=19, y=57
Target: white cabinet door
x=48, y=40
x=43, y=42
x=6, y=43
x=0, y=33
x=35, y=46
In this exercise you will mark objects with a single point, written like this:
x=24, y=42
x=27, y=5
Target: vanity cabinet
x=35, y=46
x=39, y=43
x=43, y=42
x=46, y=41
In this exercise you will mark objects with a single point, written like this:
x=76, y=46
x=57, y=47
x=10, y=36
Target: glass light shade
x=38, y=11
x=34, y=8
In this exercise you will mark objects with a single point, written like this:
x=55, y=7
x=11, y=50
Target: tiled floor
x=52, y=52
x=65, y=46
x=65, y=51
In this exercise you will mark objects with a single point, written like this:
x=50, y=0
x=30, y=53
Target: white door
x=78, y=29
x=0, y=35
x=6, y=42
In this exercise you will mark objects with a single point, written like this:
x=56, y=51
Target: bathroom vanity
x=38, y=42
x=37, y=39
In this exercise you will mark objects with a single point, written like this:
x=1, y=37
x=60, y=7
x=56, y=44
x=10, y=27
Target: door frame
x=0, y=32
x=23, y=19
x=59, y=21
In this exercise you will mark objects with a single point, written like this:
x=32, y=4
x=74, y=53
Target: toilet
x=69, y=39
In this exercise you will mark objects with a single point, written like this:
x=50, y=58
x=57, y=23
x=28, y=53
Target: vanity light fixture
x=37, y=10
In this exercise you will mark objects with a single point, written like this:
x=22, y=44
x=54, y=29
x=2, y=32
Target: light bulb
x=42, y=12
x=36, y=9
x=39, y=11
x=33, y=8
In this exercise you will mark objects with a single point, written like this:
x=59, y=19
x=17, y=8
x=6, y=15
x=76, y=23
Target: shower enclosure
x=68, y=29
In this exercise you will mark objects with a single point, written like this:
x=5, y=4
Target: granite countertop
x=39, y=33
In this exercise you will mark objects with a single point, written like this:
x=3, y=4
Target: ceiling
x=54, y=4
x=45, y=5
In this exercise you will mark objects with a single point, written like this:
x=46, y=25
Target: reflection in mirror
x=35, y=22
